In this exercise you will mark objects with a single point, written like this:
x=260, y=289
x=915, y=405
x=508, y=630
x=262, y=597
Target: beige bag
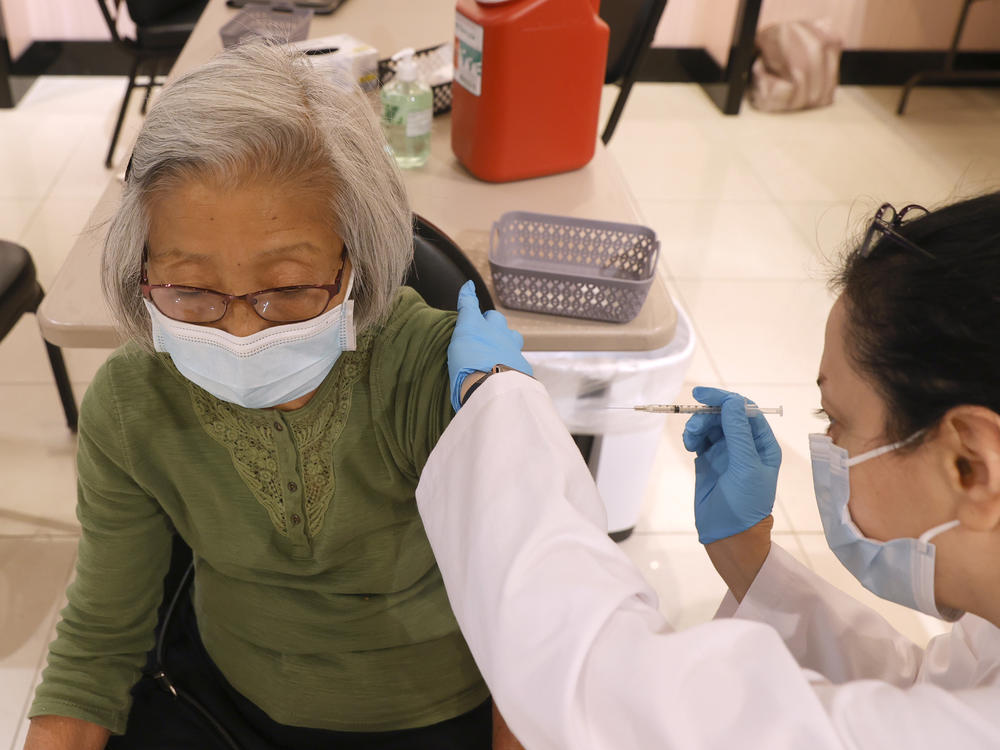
x=797, y=68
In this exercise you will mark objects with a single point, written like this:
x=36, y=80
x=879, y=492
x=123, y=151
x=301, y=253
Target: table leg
x=6, y=94
x=728, y=93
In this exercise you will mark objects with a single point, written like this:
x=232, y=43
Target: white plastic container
x=583, y=384
x=343, y=58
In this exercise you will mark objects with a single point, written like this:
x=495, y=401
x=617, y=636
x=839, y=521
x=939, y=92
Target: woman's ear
x=972, y=442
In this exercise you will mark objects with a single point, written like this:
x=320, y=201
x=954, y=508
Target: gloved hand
x=736, y=469
x=480, y=341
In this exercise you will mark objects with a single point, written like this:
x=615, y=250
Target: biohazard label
x=468, y=54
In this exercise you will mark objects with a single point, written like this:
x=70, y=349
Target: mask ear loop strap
x=939, y=529
x=350, y=285
x=875, y=453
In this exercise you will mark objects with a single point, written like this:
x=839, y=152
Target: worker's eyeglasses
x=886, y=222
x=285, y=304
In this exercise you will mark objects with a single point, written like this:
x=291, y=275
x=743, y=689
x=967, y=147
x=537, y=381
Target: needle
x=752, y=409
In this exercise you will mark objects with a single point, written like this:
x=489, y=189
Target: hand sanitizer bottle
x=407, y=108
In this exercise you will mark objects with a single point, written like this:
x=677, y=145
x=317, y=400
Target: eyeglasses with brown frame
x=283, y=304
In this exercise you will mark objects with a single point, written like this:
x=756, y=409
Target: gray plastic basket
x=279, y=23
x=598, y=270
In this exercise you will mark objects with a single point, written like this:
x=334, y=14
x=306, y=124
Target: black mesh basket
x=424, y=59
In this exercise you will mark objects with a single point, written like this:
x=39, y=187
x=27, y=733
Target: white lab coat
x=569, y=639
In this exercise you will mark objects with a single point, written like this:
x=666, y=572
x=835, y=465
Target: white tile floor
x=751, y=211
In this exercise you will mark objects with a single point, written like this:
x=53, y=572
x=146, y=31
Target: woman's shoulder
x=412, y=322
x=413, y=342
x=410, y=311
x=129, y=369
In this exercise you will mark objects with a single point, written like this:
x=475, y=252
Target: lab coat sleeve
x=824, y=628
x=563, y=627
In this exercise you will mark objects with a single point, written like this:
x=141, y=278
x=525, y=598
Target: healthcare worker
x=567, y=633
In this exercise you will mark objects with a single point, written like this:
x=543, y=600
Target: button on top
x=296, y=519
x=292, y=486
x=278, y=426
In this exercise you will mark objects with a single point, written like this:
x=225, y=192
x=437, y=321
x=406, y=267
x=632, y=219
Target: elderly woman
x=274, y=405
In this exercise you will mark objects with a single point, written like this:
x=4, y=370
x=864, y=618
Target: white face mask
x=900, y=570
x=271, y=367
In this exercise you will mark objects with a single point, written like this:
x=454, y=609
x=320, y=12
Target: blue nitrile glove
x=736, y=471
x=480, y=341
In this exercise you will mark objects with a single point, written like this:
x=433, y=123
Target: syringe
x=752, y=409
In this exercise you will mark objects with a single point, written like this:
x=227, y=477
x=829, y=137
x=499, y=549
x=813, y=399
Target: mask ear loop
x=869, y=455
x=876, y=452
x=939, y=529
x=350, y=285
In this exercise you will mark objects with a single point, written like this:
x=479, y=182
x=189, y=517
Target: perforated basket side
x=584, y=247
x=609, y=300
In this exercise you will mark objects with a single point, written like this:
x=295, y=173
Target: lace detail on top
x=315, y=439
x=251, y=444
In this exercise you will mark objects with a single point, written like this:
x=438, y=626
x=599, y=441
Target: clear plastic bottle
x=407, y=109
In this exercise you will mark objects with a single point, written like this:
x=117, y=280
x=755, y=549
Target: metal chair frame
x=141, y=57
x=56, y=361
x=948, y=73
x=640, y=40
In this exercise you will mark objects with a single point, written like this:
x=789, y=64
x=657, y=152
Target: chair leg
x=616, y=112
x=63, y=384
x=149, y=88
x=121, y=113
x=653, y=14
x=914, y=80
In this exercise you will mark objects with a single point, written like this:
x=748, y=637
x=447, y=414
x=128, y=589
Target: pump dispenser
x=407, y=109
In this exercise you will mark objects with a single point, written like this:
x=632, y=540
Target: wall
x=862, y=24
x=29, y=20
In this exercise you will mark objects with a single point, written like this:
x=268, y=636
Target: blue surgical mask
x=900, y=570
x=271, y=367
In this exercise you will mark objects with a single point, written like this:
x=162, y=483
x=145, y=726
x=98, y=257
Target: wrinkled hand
x=736, y=469
x=479, y=342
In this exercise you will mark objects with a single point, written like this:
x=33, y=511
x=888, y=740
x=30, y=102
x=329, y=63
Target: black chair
x=438, y=271
x=440, y=268
x=21, y=293
x=162, y=27
x=949, y=74
x=633, y=24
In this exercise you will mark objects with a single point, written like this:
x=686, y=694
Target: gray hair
x=261, y=111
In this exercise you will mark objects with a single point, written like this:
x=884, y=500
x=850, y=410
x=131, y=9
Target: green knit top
x=316, y=592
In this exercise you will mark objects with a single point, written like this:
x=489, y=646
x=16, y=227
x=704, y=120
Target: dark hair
x=927, y=330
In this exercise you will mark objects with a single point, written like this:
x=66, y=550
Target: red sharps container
x=527, y=90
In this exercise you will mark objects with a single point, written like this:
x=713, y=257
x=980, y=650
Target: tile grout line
x=53, y=183
x=700, y=339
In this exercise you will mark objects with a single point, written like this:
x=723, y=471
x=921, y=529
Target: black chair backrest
x=145, y=12
x=633, y=24
x=440, y=268
x=142, y=12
